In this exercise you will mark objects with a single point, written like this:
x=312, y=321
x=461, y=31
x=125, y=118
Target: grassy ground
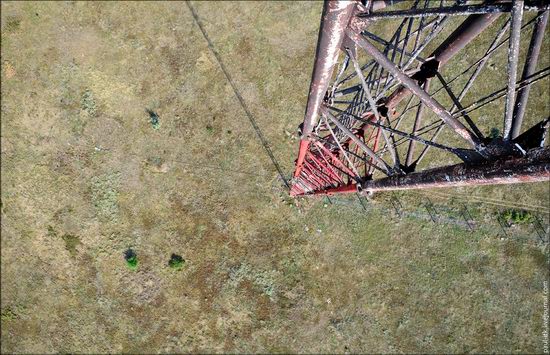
x=120, y=131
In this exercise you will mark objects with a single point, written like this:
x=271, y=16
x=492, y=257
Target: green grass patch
x=8, y=314
x=12, y=313
x=132, y=263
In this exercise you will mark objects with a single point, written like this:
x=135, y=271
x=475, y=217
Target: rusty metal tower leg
x=336, y=15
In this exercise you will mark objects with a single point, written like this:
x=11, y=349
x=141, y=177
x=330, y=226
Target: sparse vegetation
x=51, y=232
x=88, y=103
x=12, y=313
x=12, y=24
x=71, y=243
x=263, y=279
x=105, y=195
x=8, y=314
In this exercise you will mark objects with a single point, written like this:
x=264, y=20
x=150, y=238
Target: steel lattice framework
x=381, y=115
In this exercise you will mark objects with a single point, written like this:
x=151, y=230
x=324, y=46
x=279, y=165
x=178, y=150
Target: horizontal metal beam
x=448, y=10
x=534, y=167
x=344, y=189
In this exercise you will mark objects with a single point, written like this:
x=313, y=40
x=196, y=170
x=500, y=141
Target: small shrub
x=131, y=259
x=51, y=232
x=517, y=217
x=176, y=262
x=132, y=262
x=88, y=103
x=154, y=119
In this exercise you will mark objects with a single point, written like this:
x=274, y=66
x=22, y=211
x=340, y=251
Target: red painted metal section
x=304, y=145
